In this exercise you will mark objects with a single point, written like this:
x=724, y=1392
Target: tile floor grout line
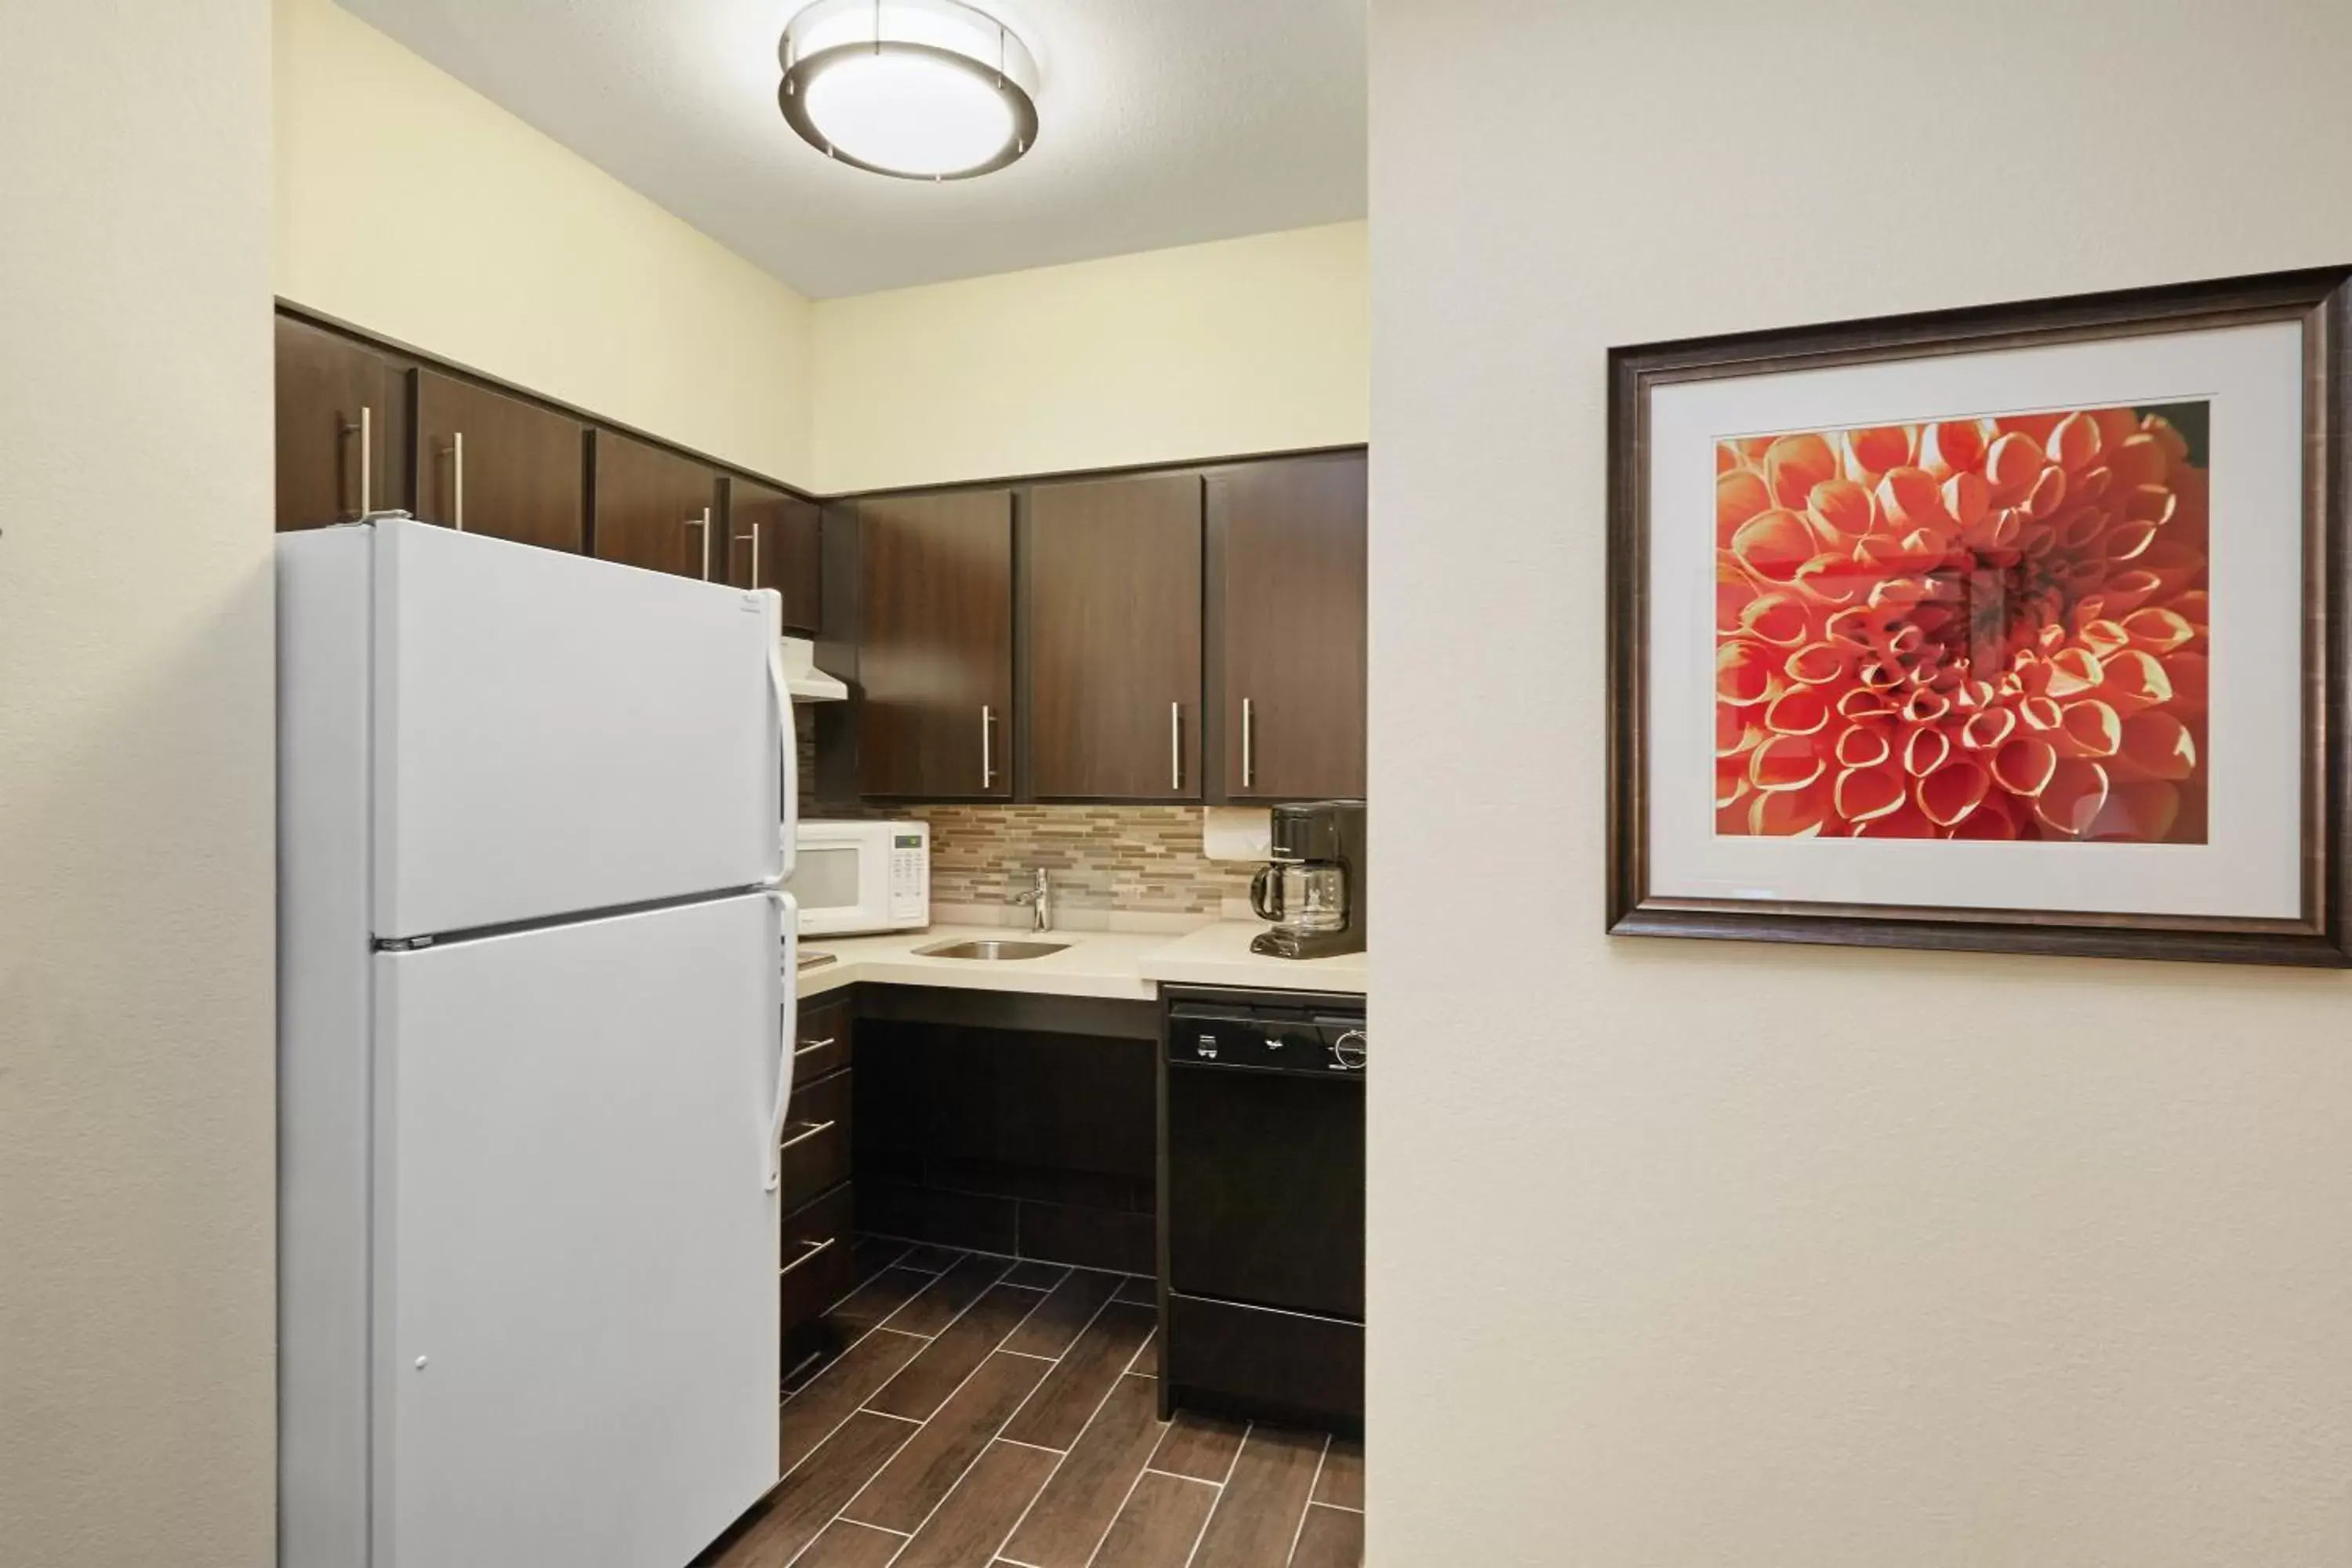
x=1236, y=1462
x=1058, y=1362
x=1081, y=1437
x=1335, y=1507
x=934, y=1416
x=959, y=1480
x=1180, y=1476
x=862, y=1335
x=986, y=1286
x=1112, y=1522
x=832, y=1431
x=1044, y=1296
x=869, y=1279
x=1300, y=1528
x=1231, y=1465
x=842, y=1512
x=810, y=1545
x=1019, y=1444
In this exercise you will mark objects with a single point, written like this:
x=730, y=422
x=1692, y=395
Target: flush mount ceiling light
x=924, y=90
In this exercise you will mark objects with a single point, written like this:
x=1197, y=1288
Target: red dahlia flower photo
x=1984, y=628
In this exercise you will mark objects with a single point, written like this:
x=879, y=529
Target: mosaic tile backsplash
x=1140, y=859
x=1128, y=859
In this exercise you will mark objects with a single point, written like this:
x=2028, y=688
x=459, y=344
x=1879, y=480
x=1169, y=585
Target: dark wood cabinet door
x=1112, y=574
x=1288, y=598
x=488, y=463
x=773, y=539
x=343, y=427
x=656, y=509
x=935, y=653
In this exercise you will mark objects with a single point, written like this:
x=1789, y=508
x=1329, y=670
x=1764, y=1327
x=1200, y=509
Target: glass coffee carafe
x=1302, y=897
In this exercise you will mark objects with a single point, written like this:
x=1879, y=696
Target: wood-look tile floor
x=983, y=1411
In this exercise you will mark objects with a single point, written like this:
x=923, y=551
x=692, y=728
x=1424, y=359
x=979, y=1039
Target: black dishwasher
x=1262, y=1202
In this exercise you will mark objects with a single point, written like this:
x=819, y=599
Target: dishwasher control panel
x=1268, y=1037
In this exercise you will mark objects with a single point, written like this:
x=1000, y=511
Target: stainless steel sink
x=991, y=948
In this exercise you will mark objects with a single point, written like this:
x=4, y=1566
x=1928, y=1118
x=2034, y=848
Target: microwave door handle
x=788, y=916
x=789, y=809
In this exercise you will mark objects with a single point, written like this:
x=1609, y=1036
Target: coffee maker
x=1313, y=889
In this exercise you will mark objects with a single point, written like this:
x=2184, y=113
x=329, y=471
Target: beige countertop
x=1120, y=964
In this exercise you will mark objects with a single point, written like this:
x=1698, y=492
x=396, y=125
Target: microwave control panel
x=910, y=876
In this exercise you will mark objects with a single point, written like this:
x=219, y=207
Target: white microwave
x=853, y=877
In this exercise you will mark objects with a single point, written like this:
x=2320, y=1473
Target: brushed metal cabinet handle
x=1249, y=750
x=1176, y=745
x=703, y=522
x=812, y=1128
x=814, y=1249
x=367, y=459
x=458, y=479
x=806, y=1047
x=754, y=537
x=987, y=757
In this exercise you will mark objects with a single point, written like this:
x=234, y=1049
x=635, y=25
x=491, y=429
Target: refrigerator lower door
x=553, y=735
x=575, y=1317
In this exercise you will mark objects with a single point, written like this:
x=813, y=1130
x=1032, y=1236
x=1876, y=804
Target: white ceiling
x=1162, y=122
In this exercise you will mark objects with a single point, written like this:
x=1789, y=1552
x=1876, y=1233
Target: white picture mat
x=2250, y=865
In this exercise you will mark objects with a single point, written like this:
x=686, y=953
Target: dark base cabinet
x=814, y=1167
x=818, y=1269
x=1019, y=1125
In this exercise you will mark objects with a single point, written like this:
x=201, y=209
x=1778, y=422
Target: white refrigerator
x=535, y=993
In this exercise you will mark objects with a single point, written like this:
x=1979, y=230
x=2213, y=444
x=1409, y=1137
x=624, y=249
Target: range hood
x=804, y=679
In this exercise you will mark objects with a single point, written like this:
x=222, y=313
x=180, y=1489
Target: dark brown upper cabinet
x=1287, y=599
x=934, y=647
x=774, y=540
x=343, y=427
x=488, y=463
x=1111, y=577
x=656, y=509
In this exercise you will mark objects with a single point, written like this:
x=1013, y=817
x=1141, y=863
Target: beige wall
x=1699, y=1254
x=411, y=206
x=1244, y=345
x=136, y=1407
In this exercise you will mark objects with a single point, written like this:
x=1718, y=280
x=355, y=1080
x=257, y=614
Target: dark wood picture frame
x=2320, y=301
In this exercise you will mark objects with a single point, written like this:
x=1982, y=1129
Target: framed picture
x=2016, y=630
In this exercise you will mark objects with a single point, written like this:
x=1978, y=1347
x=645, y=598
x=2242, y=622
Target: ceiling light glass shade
x=925, y=89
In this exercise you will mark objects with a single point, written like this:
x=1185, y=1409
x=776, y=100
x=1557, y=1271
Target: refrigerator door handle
x=788, y=816
x=788, y=914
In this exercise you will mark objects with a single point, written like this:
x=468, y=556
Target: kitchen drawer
x=818, y=1268
x=1259, y=1360
x=816, y=1138
x=821, y=1044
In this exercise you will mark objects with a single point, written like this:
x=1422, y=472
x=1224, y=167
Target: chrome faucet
x=1040, y=899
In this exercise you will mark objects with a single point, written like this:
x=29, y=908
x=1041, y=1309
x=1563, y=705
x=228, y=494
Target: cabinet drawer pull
x=811, y=1131
x=1249, y=745
x=806, y=1047
x=814, y=1249
x=703, y=522
x=987, y=757
x=365, y=431
x=754, y=538
x=458, y=479
x=1176, y=745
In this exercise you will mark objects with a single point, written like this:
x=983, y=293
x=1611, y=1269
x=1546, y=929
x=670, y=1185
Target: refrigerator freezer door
x=554, y=734
x=575, y=1350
